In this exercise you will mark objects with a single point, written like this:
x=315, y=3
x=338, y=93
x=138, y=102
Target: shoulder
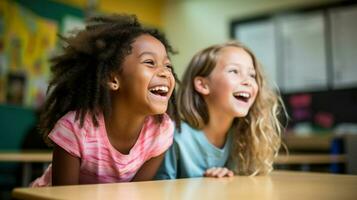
x=166, y=126
x=69, y=134
x=186, y=133
x=167, y=123
x=69, y=117
x=70, y=123
x=157, y=136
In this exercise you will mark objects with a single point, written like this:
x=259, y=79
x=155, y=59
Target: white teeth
x=160, y=88
x=242, y=94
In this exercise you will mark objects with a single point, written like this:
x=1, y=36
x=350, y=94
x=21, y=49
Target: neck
x=123, y=126
x=216, y=130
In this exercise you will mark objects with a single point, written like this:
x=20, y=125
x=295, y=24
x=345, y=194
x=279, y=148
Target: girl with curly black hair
x=110, y=98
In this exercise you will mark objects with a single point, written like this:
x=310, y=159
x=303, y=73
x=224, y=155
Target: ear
x=113, y=83
x=201, y=85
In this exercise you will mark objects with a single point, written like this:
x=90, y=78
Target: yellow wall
x=149, y=12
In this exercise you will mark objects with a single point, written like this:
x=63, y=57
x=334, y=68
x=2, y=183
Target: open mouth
x=162, y=90
x=242, y=96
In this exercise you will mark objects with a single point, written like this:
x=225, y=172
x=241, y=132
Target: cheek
x=227, y=84
x=222, y=87
x=224, y=82
x=256, y=90
x=143, y=78
x=172, y=83
x=139, y=82
x=145, y=73
x=172, y=80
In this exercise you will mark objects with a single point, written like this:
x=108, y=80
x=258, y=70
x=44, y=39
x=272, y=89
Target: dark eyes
x=169, y=67
x=149, y=62
x=152, y=63
x=233, y=71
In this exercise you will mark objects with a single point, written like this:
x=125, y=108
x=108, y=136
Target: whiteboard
x=260, y=37
x=303, y=52
x=344, y=46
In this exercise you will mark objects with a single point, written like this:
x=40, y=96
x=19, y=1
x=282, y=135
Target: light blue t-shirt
x=192, y=154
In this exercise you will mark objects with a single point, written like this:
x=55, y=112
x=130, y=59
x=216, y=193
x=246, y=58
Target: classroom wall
x=27, y=15
x=194, y=24
x=149, y=12
x=15, y=123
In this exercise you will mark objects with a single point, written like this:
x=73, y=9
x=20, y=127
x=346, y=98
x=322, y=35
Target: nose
x=246, y=81
x=164, y=72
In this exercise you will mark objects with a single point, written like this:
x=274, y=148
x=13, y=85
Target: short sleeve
x=163, y=138
x=67, y=135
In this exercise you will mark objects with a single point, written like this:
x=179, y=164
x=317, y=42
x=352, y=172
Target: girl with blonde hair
x=230, y=117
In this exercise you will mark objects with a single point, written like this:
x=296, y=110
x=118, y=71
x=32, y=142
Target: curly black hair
x=89, y=57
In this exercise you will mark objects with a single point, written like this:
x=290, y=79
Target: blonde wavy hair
x=258, y=135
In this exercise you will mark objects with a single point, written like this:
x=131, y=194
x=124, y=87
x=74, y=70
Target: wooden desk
x=279, y=185
x=26, y=158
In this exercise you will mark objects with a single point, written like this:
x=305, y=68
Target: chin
x=241, y=113
x=158, y=110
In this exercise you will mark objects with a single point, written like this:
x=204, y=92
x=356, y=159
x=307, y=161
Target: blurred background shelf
x=310, y=159
x=310, y=142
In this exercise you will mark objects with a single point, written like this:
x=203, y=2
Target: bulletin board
x=344, y=46
x=260, y=37
x=312, y=54
x=305, y=50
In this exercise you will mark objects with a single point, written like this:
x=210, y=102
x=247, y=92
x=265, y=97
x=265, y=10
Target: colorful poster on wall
x=16, y=88
x=39, y=67
x=3, y=65
x=71, y=24
x=29, y=43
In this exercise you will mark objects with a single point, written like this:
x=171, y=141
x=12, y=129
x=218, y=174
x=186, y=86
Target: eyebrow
x=239, y=65
x=152, y=54
x=146, y=52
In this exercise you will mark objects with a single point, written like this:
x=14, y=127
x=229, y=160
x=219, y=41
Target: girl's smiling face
x=146, y=81
x=232, y=83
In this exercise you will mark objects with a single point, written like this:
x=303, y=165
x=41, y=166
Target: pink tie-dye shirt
x=100, y=161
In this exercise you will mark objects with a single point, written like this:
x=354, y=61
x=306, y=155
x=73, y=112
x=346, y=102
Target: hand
x=218, y=172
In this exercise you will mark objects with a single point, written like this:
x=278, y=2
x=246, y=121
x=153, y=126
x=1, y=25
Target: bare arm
x=65, y=167
x=149, y=169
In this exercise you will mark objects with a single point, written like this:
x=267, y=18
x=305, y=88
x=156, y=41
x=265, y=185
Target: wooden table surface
x=278, y=185
x=26, y=156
